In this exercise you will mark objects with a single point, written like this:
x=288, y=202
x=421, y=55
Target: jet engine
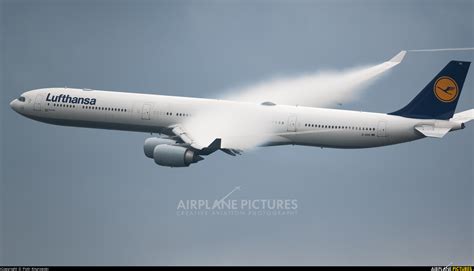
x=174, y=156
x=152, y=142
x=166, y=152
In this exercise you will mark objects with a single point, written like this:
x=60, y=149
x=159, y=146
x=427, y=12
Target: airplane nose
x=13, y=105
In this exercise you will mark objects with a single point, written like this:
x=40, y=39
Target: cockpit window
x=21, y=99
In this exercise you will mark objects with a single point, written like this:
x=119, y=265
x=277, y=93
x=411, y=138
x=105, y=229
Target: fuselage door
x=381, y=129
x=146, y=111
x=38, y=101
x=291, y=124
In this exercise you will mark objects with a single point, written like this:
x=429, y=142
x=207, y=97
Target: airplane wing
x=309, y=89
x=232, y=152
x=202, y=150
x=185, y=137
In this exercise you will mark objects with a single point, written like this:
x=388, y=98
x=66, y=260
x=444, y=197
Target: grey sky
x=84, y=196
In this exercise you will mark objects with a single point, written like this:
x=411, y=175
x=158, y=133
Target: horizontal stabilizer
x=464, y=116
x=431, y=131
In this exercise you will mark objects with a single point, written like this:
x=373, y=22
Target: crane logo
x=446, y=89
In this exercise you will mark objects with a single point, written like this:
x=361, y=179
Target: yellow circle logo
x=446, y=89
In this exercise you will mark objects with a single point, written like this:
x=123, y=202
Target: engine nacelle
x=174, y=156
x=152, y=142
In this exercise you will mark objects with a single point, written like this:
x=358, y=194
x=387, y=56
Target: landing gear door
x=291, y=124
x=382, y=129
x=38, y=102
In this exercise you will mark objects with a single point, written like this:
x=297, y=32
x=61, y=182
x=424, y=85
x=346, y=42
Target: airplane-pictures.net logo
x=225, y=206
x=446, y=89
x=451, y=268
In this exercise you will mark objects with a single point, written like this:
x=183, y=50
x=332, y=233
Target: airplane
x=429, y=114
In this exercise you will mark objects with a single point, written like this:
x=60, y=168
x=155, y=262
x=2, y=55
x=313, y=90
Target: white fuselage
x=296, y=125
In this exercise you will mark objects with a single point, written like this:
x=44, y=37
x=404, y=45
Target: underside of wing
x=200, y=148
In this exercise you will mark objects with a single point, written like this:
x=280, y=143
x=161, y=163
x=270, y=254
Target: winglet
x=399, y=57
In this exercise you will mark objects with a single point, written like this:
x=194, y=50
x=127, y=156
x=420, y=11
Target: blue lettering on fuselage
x=61, y=98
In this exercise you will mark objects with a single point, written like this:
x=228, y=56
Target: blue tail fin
x=439, y=98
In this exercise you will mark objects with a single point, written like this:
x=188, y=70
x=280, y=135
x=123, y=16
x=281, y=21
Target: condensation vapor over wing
x=242, y=129
x=319, y=89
